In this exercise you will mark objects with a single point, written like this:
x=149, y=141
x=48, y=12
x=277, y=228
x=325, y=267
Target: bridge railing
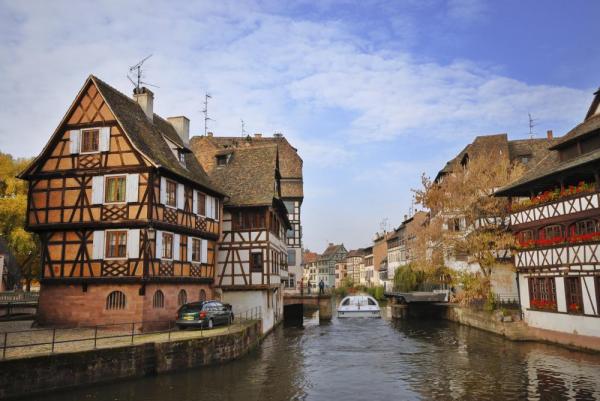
x=18, y=296
x=21, y=343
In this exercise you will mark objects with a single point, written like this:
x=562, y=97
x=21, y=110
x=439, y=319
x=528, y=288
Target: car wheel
x=210, y=323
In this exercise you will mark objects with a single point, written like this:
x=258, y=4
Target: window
x=171, y=192
x=167, y=246
x=248, y=219
x=196, y=246
x=202, y=295
x=181, y=157
x=525, y=159
x=158, y=300
x=90, y=140
x=115, y=300
x=201, y=204
x=221, y=160
x=290, y=233
x=114, y=189
x=525, y=236
x=551, y=232
x=289, y=205
x=291, y=257
x=454, y=224
x=256, y=262
x=542, y=293
x=116, y=244
x=573, y=295
x=585, y=227
x=182, y=298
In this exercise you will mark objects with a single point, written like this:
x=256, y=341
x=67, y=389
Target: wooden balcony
x=560, y=255
x=561, y=207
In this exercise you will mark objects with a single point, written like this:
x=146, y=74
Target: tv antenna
x=531, y=125
x=136, y=72
x=243, y=127
x=205, y=112
x=383, y=225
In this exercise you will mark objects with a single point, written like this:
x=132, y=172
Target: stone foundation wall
x=26, y=376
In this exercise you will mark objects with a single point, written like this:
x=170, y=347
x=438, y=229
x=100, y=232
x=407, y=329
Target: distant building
x=355, y=264
x=326, y=263
x=310, y=268
x=368, y=268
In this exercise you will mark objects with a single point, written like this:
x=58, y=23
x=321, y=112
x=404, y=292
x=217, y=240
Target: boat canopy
x=359, y=300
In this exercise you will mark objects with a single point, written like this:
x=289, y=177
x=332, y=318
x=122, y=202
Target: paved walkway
x=35, y=342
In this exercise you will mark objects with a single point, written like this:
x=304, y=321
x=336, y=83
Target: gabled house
x=127, y=217
x=326, y=264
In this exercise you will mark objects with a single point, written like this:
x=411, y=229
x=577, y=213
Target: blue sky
x=372, y=93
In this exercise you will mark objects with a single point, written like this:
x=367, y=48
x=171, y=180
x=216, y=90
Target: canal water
x=374, y=359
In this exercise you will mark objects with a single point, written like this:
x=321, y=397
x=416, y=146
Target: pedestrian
x=321, y=287
x=309, y=285
x=301, y=286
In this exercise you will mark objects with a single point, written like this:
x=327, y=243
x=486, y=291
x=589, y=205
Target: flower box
x=554, y=195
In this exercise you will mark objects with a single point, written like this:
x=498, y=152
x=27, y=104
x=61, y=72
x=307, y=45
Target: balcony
x=560, y=255
x=575, y=203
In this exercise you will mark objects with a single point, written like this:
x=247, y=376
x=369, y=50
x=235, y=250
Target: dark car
x=204, y=314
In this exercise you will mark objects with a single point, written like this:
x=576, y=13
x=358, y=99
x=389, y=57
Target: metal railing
x=18, y=296
x=22, y=343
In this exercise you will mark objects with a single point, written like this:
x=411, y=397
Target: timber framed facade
x=124, y=212
x=556, y=220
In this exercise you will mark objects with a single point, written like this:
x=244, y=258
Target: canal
x=374, y=360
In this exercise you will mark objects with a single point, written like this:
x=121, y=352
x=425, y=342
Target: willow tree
x=465, y=195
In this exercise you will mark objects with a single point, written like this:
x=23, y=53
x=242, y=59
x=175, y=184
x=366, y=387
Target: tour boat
x=358, y=306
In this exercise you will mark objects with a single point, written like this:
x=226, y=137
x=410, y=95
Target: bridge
x=18, y=305
x=416, y=303
x=294, y=303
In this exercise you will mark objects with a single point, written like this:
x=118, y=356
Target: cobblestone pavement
x=33, y=342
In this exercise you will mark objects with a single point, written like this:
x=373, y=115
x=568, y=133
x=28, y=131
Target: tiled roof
x=149, y=137
x=355, y=253
x=249, y=176
x=586, y=127
x=331, y=250
x=310, y=257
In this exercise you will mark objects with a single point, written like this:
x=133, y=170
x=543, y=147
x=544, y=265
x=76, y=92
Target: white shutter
x=98, y=245
x=214, y=207
x=133, y=243
x=74, y=140
x=209, y=206
x=97, y=189
x=133, y=181
x=204, y=251
x=189, y=246
x=180, y=196
x=194, y=202
x=163, y=190
x=217, y=209
x=104, y=139
x=176, y=250
x=158, y=244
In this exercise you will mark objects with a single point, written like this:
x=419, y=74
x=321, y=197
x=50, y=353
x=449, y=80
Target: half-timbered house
x=127, y=218
x=555, y=215
x=252, y=256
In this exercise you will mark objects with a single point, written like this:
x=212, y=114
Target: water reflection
x=375, y=359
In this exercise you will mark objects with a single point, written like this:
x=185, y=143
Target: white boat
x=358, y=306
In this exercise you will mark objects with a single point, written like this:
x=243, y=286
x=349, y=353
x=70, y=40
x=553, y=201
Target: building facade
x=556, y=219
x=127, y=218
x=326, y=264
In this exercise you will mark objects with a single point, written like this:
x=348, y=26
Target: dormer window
x=182, y=158
x=90, y=140
x=221, y=160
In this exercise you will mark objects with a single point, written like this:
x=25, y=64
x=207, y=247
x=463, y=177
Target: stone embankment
x=518, y=330
x=35, y=374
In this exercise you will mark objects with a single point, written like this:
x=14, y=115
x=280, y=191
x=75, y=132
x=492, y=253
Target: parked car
x=204, y=314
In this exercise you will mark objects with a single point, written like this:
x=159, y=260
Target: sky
x=372, y=93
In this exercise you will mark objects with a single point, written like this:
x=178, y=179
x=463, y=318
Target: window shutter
x=133, y=181
x=180, y=196
x=74, y=140
x=176, y=250
x=217, y=209
x=445, y=225
x=163, y=190
x=133, y=244
x=104, y=139
x=189, y=246
x=97, y=189
x=98, y=245
x=204, y=252
x=214, y=207
x=195, y=202
x=207, y=204
x=158, y=244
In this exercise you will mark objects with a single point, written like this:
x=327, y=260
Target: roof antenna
x=531, y=125
x=136, y=71
x=205, y=112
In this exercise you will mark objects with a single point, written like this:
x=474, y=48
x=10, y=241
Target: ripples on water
x=375, y=360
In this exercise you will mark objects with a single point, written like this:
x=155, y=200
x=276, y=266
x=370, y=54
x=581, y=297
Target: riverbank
x=43, y=373
x=518, y=330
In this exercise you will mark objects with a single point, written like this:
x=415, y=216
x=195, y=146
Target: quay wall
x=37, y=374
x=519, y=330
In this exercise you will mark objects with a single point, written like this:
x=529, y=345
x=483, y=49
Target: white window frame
x=101, y=132
x=162, y=243
x=104, y=191
x=199, y=261
x=106, y=244
x=167, y=194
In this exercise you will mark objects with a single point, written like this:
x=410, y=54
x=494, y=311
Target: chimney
x=257, y=135
x=182, y=126
x=405, y=217
x=549, y=134
x=278, y=135
x=209, y=134
x=145, y=98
